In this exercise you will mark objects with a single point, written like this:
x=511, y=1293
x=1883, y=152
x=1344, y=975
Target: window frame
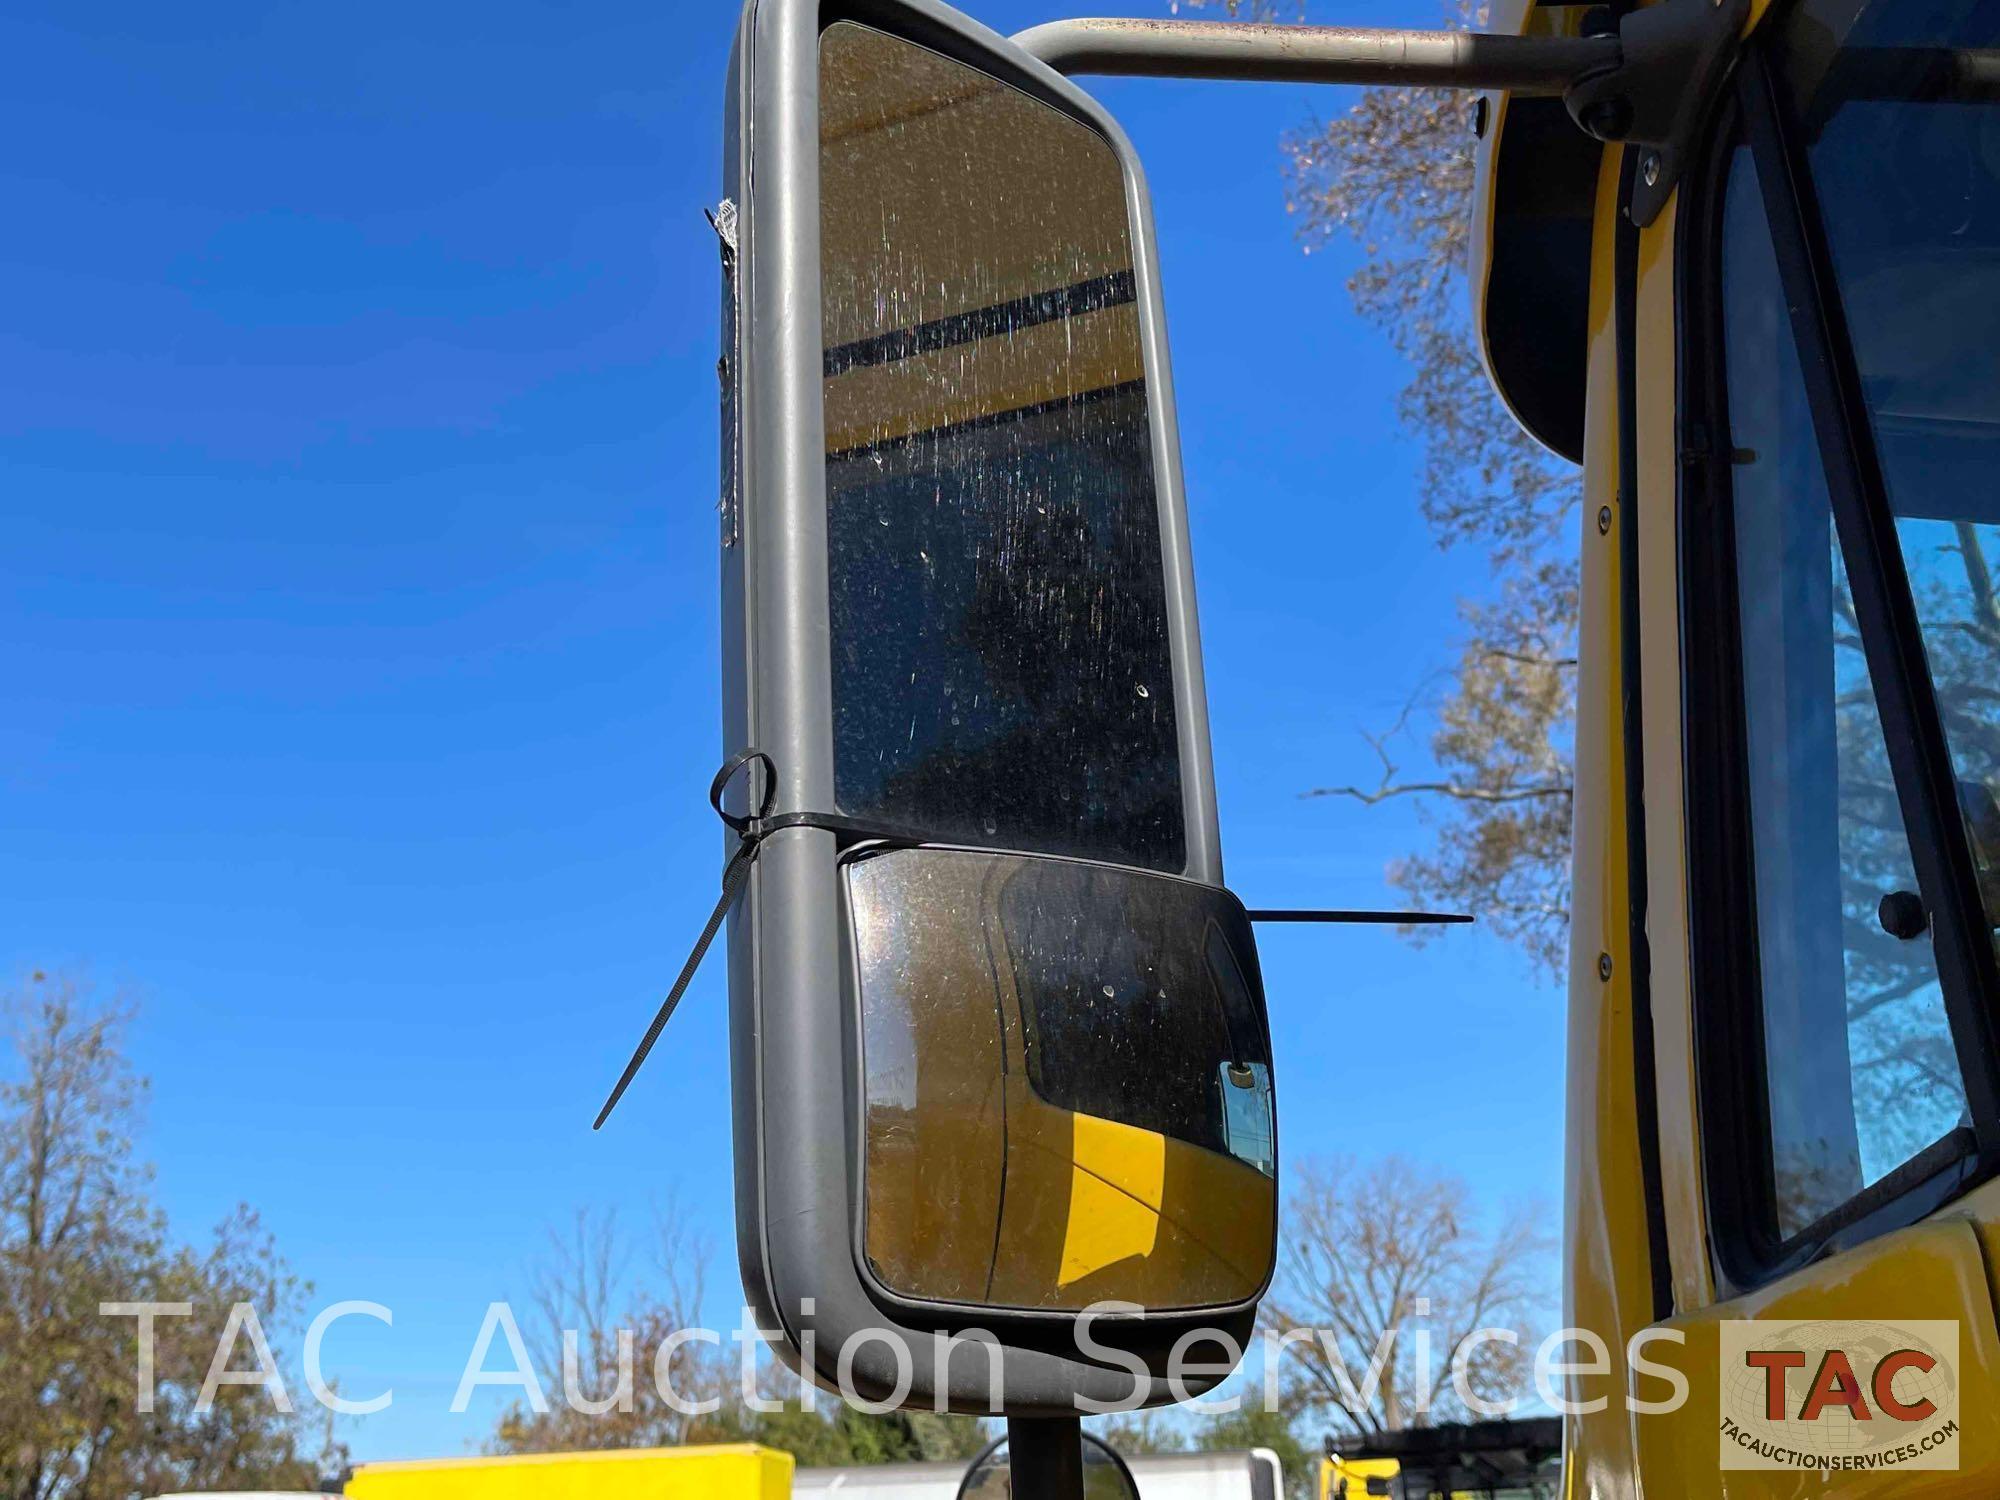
x=1725, y=972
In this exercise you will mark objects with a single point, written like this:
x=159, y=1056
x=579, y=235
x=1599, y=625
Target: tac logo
x=1848, y=1394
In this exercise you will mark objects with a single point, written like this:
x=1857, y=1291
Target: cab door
x=1818, y=643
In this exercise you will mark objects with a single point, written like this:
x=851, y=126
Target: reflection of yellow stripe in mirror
x=1051, y=361
x=942, y=190
x=1117, y=1179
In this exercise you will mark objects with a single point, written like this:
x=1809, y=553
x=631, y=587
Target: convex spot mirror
x=1067, y=1084
x=987, y=955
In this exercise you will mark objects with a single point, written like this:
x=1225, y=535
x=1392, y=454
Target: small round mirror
x=1105, y=1476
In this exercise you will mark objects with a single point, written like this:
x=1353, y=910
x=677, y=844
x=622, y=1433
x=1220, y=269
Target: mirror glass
x=1067, y=1079
x=1105, y=1476
x=1001, y=664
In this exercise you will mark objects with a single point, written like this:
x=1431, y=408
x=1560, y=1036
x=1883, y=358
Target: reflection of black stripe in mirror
x=935, y=435
x=1001, y=664
x=1094, y=295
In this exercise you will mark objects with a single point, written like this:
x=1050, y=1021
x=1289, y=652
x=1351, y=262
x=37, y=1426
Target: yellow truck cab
x=1739, y=261
x=1785, y=399
x=1352, y=1478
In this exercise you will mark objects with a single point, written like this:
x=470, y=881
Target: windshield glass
x=1901, y=109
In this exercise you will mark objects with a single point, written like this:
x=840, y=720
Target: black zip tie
x=748, y=836
x=751, y=829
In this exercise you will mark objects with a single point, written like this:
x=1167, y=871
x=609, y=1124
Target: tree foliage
x=1374, y=1255
x=1366, y=1251
x=584, y=1300
x=78, y=1230
x=1252, y=1425
x=1255, y=1426
x=1394, y=175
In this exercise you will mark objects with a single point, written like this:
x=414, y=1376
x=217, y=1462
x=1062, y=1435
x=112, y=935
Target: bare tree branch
x=1369, y=1254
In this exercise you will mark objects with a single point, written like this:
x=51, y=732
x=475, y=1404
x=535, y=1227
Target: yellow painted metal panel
x=1055, y=361
x=1657, y=376
x=1932, y=1270
x=1097, y=1209
x=736, y=1472
x=1607, y=1282
x=1347, y=1478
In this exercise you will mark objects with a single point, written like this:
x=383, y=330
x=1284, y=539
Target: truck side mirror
x=998, y=1034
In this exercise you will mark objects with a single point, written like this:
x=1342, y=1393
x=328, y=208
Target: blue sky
x=357, y=462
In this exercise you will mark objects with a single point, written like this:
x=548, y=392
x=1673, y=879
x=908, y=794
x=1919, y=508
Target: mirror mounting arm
x=1259, y=52
x=1650, y=84
x=1675, y=58
x=1045, y=1457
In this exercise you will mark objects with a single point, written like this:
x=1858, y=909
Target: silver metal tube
x=1960, y=74
x=1317, y=54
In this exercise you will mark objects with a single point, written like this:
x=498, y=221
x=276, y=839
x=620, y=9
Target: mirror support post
x=1045, y=1456
x=1650, y=85
x=1259, y=52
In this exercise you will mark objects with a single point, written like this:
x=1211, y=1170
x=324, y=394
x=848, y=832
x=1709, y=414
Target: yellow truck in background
x=1351, y=1479
x=1512, y=1459
x=741, y=1471
x=748, y=1472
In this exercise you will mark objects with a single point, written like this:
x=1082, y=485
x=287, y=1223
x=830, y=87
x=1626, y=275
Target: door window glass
x=1860, y=1068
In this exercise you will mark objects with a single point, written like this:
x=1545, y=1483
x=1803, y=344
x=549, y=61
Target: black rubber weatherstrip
x=1645, y=1070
